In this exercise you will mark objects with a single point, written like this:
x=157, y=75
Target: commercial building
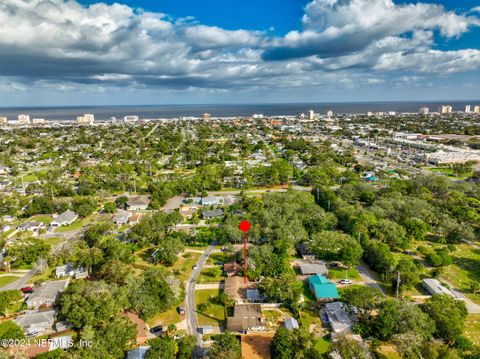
x=23, y=119
x=86, y=119
x=3, y=120
x=330, y=113
x=476, y=109
x=206, y=117
x=38, y=121
x=424, y=111
x=130, y=118
x=467, y=109
x=444, y=109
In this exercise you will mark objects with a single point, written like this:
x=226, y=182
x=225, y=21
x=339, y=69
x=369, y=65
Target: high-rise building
x=467, y=109
x=311, y=115
x=424, y=111
x=86, y=119
x=206, y=116
x=445, y=109
x=130, y=118
x=369, y=113
x=38, y=121
x=329, y=113
x=3, y=120
x=476, y=109
x=23, y=119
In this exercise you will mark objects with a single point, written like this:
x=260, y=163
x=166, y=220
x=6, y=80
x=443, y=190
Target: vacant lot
x=256, y=346
x=213, y=314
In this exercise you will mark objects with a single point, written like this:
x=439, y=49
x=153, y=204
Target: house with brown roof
x=231, y=268
x=140, y=324
x=246, y=318
x=138, y=203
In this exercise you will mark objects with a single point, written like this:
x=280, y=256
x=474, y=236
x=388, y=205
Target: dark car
x=218, y=263
x=181, y=311
x=157, y=330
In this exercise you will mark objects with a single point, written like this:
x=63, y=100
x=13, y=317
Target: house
x=231, y=268
x=135, y=218
x=68, y=270
x=322, y=288
x=138, y=353
x=36, y=322
x=138, y=203
x=31, y=226
x=246, y=317
x=305, y=253
x=433, y=286
x=187, y=212
x=291, y=323
x=7, y=218
x=254, y=296
x=46, y=294
x=340, y=319
x=314, y=268
x=214, y=213
x=212, y=201
x=121, y=217
x=64, y=219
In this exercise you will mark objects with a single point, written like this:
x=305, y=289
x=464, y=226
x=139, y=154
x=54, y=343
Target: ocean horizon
x=65, y=113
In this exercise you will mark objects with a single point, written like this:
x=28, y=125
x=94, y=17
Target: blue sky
x=58, y=52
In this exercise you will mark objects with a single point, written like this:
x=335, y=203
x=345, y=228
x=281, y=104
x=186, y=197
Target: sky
x=85, y=52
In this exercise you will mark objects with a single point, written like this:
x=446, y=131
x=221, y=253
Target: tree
x=89, y=303
x=294, y=344
x=162, y=348
x=449, y=316
x=348, y=348
x=284, y=289
x=378, y=256
x=186, y=346
x=365, y=299
x=109, y=207
x=7, y=298
x=225, y=346
x=40, y=205
x=405, y=275
x=10, y=330
x=121, y=202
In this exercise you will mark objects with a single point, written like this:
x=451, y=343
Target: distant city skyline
x=54, y=52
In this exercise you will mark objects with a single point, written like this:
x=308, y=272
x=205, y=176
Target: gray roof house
x=341, y=320
x=68, y=270
x=214, y=213
x=138, y=353
x=291, y=323
x=314, y=268
x=64, y=219
x=212, y=201
x=36, y=322
x=121, y=217
x=46, y=294
x=433, y=286
x=31, y=226
x=138, y=203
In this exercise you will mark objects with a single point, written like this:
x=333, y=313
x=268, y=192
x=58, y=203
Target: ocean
x=224, y=110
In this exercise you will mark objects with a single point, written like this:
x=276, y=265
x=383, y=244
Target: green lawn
x=29, y=178
x=337, y=274
x=465, y=269
x=74, y=226
x=215, y=313
x=165, y=318
x=322, y=344
x=6, y=280
x=44, y=218
x=205, y=276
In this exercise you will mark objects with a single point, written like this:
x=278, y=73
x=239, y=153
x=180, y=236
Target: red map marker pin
x=244, y=227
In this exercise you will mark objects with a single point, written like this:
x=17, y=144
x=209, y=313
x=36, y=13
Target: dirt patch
x=256, y=346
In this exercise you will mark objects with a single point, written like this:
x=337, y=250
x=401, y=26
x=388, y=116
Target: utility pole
x=398, y=283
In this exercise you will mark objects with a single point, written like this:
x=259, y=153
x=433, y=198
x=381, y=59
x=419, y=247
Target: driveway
x=369, y=278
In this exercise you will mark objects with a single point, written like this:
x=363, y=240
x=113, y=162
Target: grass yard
x=309, y=317
x=73, y=227
x=215, y=313
x=6, y=280
x=322, y=344
x=29, y=178
x=472, y=328
x=44, y=218
x=165, y=318
x=465, y=270
x=206, y=276
x=183, y=266
x=337, y=274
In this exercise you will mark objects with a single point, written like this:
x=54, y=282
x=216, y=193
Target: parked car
x=157, y=330
x=218, y=263
x=181, y=311
x=345, y=281
x=195, y=267
x=26, y=290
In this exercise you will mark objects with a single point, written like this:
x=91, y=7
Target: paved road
x=368, y=277
x=192, y=323
x=18, y=284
